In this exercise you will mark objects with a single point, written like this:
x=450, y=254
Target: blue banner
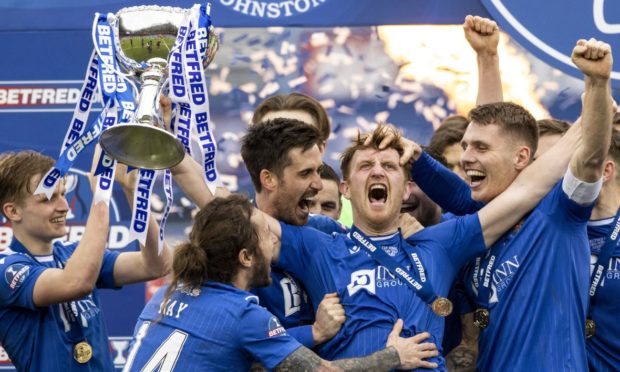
x=17, y=14
x=550, y=28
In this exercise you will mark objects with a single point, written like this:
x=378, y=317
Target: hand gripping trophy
x=146, y=37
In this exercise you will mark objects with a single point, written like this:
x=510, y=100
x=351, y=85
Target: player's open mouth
x=377, y=193
x=304, y=202
x=58, y=220
x=475, y=177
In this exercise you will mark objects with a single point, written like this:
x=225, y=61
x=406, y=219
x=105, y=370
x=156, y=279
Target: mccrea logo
x=16, y=274
x=275, y=328
x=272, y=9
x=550, y=28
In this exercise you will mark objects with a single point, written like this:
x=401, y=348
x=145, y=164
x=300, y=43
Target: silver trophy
x=146, y=34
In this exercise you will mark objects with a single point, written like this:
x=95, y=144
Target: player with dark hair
x=207, y=319
x=328, y=201
x=523, y=304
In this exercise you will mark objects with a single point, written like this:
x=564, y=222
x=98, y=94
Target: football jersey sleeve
x=564, y=210
x=106, y=274
x=263, y=337
x=18, y=277
x=296, y=249
x=443, y=186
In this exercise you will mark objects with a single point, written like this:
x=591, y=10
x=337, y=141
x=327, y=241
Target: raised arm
x=594, y=59
x=79, y=276
x=148, y=264
x=482, y=34
x=403, y=353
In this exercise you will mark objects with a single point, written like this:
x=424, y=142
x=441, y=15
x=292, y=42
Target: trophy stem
x=152, y=78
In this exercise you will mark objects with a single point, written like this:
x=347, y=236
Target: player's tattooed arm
x=463, y=357
x=304, y=359
x=399, y=352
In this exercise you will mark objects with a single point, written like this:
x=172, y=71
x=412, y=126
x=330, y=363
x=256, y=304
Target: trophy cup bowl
x=146, y=34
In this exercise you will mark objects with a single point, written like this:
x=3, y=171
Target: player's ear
x=609, y=170
x=344, y=189
x=408, y=190
x=12, y=212
x=523, y=157
x=268, y=180
x=245, y=258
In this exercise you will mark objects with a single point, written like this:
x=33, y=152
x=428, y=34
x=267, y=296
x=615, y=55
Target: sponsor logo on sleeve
x=16, y=274
x=275, y=328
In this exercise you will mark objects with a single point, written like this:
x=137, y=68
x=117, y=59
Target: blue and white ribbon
x=141, y=206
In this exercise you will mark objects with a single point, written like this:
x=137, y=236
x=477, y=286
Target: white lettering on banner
x=19, y=96
x=274, y=9
x=599, y=19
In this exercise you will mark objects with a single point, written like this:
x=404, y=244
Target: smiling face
x=376, y=186
x=39, y=220
x=298, y=184
x=490, y=160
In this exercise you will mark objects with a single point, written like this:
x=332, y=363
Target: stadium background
x=404, y=62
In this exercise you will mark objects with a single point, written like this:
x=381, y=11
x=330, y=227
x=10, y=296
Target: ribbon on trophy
x=99, y=79
x=188, y=88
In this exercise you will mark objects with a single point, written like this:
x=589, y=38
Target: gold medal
x=82, y=352
x=590, y=328
x=442, y=306
x=482, y=318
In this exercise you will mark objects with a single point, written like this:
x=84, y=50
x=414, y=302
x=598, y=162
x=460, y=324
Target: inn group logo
x=550, y=28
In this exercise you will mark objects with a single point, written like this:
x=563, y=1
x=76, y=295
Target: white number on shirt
x=164, y=358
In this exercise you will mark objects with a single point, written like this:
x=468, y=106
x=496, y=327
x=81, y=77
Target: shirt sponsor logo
x=362, y=279
x=275, y=328
x=15, y=275
x=272, y=9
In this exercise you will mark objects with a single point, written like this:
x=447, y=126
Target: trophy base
x=142, y=146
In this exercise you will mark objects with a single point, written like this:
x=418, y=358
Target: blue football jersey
x=539, y=286
x=42, y=339
x=604, y=347
x=287, y=299
x=216, y=327
x=372, y=296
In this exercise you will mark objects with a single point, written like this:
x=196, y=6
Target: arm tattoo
x=304, y=360
x=461, y=359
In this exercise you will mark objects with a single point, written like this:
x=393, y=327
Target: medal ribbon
x=484, y=284
x=419, y=283
x=600, y=268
